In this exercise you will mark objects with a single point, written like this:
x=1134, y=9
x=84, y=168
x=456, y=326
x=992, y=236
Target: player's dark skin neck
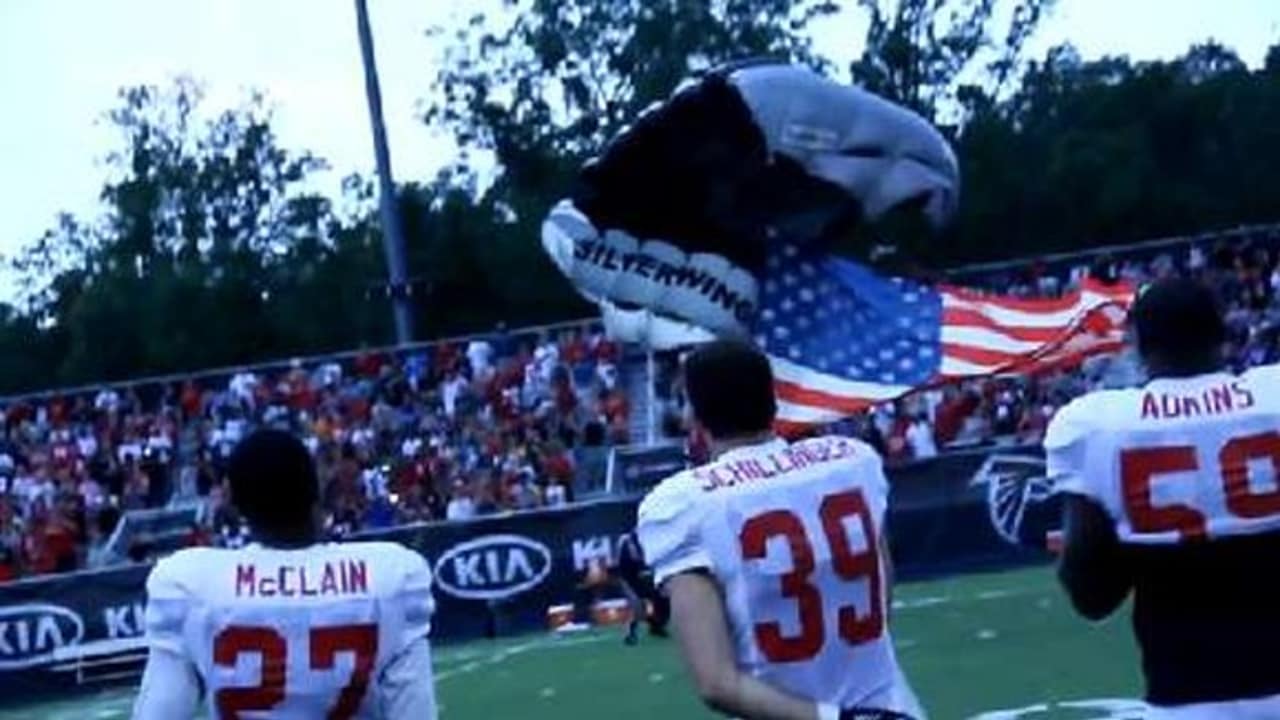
x=288, y=538
x=720, y=446
x=1161, y=366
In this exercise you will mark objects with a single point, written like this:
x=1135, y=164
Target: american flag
x=842, y=338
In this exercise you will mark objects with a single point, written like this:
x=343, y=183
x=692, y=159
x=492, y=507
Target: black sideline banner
x=497, y=576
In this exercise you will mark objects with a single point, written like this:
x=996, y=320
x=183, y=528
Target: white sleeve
x=668, y=526
x=168, y=605
x=415, y=600
x=1065, y=451
x=170, y=687
x=406, y=688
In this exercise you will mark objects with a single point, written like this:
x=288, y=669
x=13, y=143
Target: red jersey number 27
x=855, y=626
x=265, y=642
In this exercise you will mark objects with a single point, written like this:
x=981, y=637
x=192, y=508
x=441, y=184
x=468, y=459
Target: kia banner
x=496, y=576
x=493, y=576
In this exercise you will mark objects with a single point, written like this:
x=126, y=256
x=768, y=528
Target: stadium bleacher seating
x=455, y=429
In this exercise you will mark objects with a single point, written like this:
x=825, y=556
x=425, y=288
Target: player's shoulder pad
x=667, y=525
x=410, y=590
x=669, y=498
x=176, y=576
x=172, y=589
x=1075, y=420
x=1264, y=376
x=406, y=562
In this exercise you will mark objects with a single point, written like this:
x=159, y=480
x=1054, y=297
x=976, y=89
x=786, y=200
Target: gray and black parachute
x=670, y=228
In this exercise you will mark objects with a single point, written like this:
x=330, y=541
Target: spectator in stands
x=461, y=504
x=480, y=358
x=8, y=563
x=10, y=540
x=919, y=436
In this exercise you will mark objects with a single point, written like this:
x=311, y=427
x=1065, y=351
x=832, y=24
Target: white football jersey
x=1177, y=459
x=1187, y=469
x=790, y=532
x=290, y=633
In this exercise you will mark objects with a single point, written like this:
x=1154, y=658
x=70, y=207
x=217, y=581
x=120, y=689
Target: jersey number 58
x=1140, y=467
x=855, y=628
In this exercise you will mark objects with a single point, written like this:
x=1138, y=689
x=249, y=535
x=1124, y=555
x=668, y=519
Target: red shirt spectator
x=369, y=364
x=35, y=546
x=607, y=350
x=557, y=465
x=615, y=406
x=190, y=400
x=448, y=356
x=199, y=536
x=57, y=411
x=573, y=349
x=951, y=414
x=896, y=443
x=566, y=397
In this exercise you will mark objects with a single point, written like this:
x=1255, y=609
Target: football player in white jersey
x=289, y=626
x=774, y=559
x=1172, y=496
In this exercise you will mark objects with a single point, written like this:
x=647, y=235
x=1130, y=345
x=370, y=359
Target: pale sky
x=61, y=62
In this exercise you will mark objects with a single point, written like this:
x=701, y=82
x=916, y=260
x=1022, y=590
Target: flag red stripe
x=982, y=356
x=967, y=317
x=803, y=395
x=789, y=429
x=1059, y=362
x=1039, y=305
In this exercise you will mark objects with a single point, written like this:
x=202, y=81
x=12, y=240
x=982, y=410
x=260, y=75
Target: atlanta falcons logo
x=1014, y=484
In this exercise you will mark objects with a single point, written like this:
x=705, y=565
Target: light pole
x=392, y=231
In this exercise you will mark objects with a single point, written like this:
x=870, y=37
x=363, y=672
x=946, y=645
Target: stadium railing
x=162, y=530
x=288, y=362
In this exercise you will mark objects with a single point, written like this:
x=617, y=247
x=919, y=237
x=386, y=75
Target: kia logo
x=493, y=567
x=29, y=634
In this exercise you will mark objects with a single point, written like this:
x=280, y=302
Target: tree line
x=212, y=250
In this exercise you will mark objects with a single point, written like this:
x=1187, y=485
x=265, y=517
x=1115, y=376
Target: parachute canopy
x=670, y=228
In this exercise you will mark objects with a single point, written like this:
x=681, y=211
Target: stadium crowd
x=454, y=430
x=504, y=422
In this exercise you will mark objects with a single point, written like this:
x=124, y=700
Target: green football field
x=1001, y=646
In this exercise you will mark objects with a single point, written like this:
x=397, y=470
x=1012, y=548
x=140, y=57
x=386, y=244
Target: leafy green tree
x=201, y=217
x=925, y=54
x=1091, y=153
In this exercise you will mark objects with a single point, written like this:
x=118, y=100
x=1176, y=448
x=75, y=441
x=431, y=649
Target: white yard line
x=501, y=656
